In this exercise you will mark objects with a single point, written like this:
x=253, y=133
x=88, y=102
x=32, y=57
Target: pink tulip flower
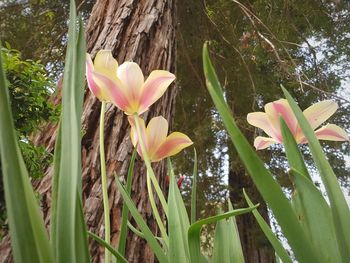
x=124, y=85
x=158, y=144
x=318, y=113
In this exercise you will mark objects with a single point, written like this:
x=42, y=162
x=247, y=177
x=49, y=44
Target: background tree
x=139, y=31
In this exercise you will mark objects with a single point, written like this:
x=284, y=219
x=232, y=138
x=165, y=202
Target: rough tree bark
x=139, y=31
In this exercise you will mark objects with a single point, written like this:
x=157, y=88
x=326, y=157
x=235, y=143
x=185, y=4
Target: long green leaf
x=276, y=244
x=338, y=204
x=115, y=253
x=312, y=207
x=125, y=210
x=152, y=242
x=140, y=234
x=267, y=186
x=194, y=189
x=178, y=223
x=195, y=229
x=69, y=244
x=295, y=159
x=29, y=238
x=54, y=187
x=236, y=253
x=308, y=202
x=221, y=249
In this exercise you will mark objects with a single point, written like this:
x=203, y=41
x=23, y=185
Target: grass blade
x=276, y=244
x=69, y=243
x=29, y=238
x=338, y=204
x=195, y=229
x=178, y=223
x=115, y=253
x=236, y=253
x=295, y=159
x=221, y=249
x=125, y=210
x=312, y=207
x=152, y=242
x=267, y=186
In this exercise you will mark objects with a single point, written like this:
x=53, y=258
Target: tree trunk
x=139, y=31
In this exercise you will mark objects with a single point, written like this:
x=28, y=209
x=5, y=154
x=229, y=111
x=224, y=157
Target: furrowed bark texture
x=139, y=31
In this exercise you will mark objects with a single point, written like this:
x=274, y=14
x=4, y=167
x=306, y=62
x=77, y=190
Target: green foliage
x=30, y=90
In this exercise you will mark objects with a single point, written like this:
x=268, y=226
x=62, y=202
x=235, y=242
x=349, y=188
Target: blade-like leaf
x=338, y=204
x=152, y=242
x=178, y=223
x=140, y=234
x=125, y=210
x=69, y=243
x=312, y=207
x=308, y=202
x=194, y=189
x=115, y=253
x=195, y=229
x=276, y=244
x=295, y=159
x=54, y=187
x=267, y=186
x=221, y=249
x=236, y=253
x=29, y=239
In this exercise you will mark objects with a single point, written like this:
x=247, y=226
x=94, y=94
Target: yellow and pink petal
x=320, y=112
x=281, y=108
x=173, y=144
x=156, y=133
x=261, y=120
x=154, y=87
x=261, y=143
x=131, y=76
x=331, y=132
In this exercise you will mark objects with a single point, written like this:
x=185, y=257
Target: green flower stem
x=104, y=184
x=156, y=213
x=149, y=167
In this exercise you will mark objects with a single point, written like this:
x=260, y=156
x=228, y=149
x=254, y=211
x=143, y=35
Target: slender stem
x=194, y=189
x=156, y=213
x=104, y=183
x=149, y=167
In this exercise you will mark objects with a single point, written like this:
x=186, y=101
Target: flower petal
x=263, y=142
x=154, y=87
x=131, y=76
x=105, y=64
x=156, y=133
x=261, y=120
x=281, y=108
x=94, y=88
x=111, y=90
x=133, y=133
x=331, y=132
x=173, y=144
x=320, y=112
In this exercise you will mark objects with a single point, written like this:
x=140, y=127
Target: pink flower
x=158, y=144
x=316, y=114
x=124, y=85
